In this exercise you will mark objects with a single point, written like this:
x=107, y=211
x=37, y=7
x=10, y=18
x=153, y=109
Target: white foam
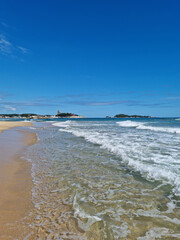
x=171, y=206
x=62, y=124
x=27, y=121
x=129, y=123
x=154, y=233
x=79, y=213
x=33, y=128
x=154, y=213
x=143, y=126
x=136, y=152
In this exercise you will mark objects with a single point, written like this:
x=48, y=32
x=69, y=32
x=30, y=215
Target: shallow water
x=99, y=179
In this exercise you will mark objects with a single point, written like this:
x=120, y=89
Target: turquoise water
x=106, y=179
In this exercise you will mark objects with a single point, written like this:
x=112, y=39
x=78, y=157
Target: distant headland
x=67, y=115
x=61, y=115
x=37, y=116
x=130, y=116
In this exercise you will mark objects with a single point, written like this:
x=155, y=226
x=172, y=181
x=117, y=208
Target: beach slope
x=15, y=179
x=4, y=125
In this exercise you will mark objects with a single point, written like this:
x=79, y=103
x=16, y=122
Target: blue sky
x=93, y=57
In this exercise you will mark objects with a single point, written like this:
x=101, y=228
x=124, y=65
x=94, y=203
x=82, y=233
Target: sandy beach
x=80, y=180
x=15, y=178
x=4, y=125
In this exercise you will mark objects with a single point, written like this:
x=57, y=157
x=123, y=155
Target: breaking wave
x=143, y=126
x=153, y=159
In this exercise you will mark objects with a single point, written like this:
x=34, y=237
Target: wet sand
x=15, y=180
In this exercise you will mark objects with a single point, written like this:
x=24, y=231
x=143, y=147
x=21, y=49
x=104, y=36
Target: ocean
x=106, y=179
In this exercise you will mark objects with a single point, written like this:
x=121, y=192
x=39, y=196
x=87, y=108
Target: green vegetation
x=66, y=115
x=130, y=116
x=13, y=115
x=37, y=116
x=26, y=115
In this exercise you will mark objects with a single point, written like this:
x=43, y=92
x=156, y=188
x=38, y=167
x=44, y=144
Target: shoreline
x=15, y=180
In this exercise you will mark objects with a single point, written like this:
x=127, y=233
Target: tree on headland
x=66, y=115
x=14, y=115
x=130, y=116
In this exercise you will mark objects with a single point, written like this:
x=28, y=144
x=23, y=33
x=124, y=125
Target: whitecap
x=62, y=124
x=143, y=126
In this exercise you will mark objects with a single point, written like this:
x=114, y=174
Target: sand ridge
x=4, y=125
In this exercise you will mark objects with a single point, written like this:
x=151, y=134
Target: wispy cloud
x=4, y=24
x=87, y=100
x=99, y=103
x=4, y=95
x=173, y=98
x=75, y=96
x=6, y=104
x=7, y=107
x=31, y=103
x=23, y=49
x=5, y=45
x=8, y=48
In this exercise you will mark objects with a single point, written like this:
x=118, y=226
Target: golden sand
x=7, y=125
x=15, y=180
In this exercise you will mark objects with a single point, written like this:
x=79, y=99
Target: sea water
x=106, y=179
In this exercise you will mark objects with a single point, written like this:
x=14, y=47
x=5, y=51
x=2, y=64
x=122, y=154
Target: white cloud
x=173, y=98
x=8, y=48
x=4, y=24
x=23, y=50
x=7, y=107
x=5, y=45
